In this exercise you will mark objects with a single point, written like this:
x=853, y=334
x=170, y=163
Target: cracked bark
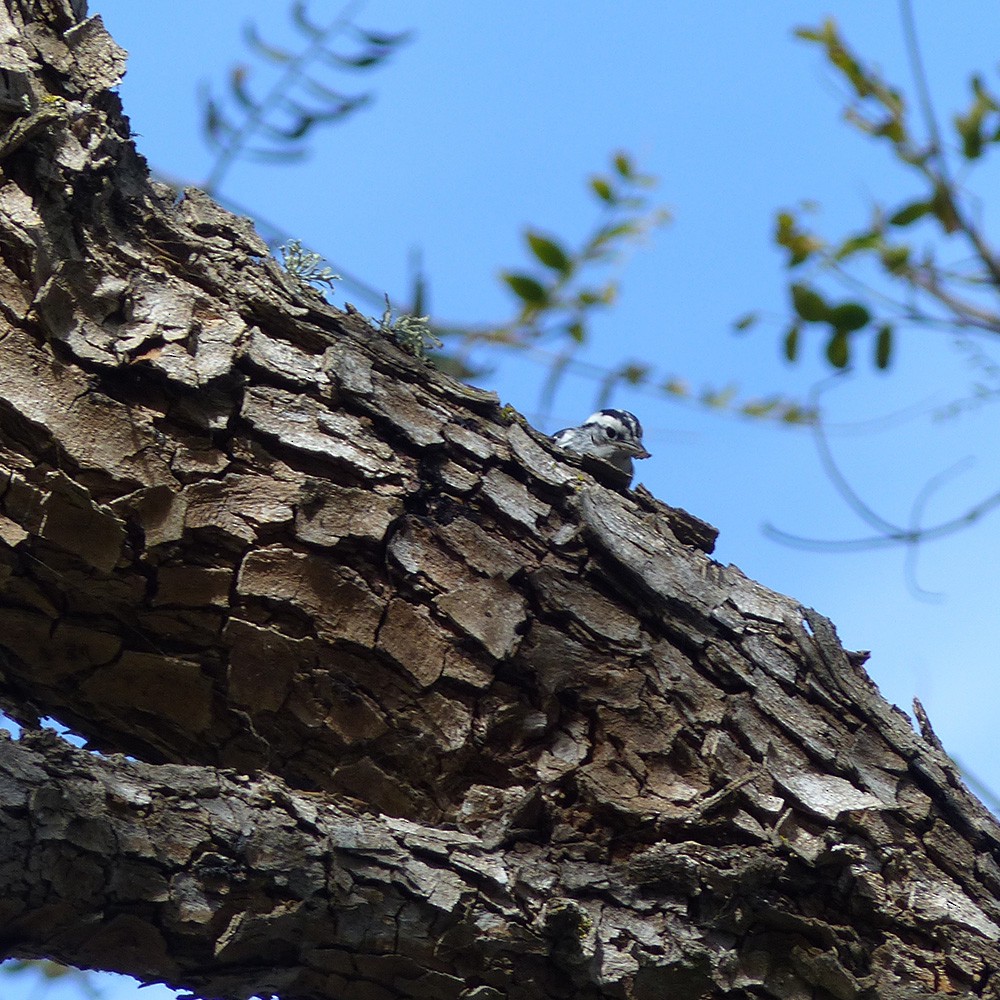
x=418, y=707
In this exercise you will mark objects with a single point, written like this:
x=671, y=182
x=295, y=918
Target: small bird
x=613, y=435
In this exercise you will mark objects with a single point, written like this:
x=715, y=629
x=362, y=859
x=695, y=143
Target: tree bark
x=416, y=705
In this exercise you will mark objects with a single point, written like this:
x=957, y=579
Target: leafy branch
x=556, y=296
x=564, y=287
x=911, y=285
x=276, y=127
x=914, y=286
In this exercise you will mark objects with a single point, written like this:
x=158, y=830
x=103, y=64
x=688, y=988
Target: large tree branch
x=233, y=885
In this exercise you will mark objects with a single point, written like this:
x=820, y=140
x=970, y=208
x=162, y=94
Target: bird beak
x=642, y=453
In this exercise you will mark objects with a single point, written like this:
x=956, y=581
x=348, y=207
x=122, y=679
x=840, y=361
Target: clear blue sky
x=492, y=118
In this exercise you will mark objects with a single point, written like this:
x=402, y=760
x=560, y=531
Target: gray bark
x=419, y=707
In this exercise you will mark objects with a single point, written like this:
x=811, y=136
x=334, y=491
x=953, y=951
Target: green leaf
x=610, y=232
x=624, y=165
x=909, y=214
x=893, y=129
x=384, y=39
x=597, y=296
x=792, y=342
x=216, y=125
x=746, y=321
x=270, y=52
x=849, y=317
x=943, y=206
x=364, y=61
x=303, y=22
x=809, y=34
x=800, y=245
x=896, y=259
x=718, y=399
x=635, y=374
x=838, y=350
x=809, y=304
x=883, y=347
x=576, y=331
x=969, y=128
x=602, y=189
x=549, y=252
x=854, y=244
x=526, y=288
x=972, y=144
x=795, y=414
x=983, y=96
x=759, y=407
x=238, y=85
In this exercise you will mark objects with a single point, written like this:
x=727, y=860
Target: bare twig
x=887, y=534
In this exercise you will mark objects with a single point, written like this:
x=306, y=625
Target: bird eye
x=612, y=433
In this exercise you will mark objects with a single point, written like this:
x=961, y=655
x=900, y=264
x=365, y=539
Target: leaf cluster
x=892, y=265
x=557, y=295
x=894, y=270
x=566, y=286
x=275, y=126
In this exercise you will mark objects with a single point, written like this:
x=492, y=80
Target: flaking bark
x=419, y=707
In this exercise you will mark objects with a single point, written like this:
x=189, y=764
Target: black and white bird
x=613, y=435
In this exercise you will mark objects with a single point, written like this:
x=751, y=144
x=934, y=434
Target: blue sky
x=491, y=120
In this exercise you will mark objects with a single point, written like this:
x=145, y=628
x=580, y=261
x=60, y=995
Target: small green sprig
x=310, y=268
x=412, y=333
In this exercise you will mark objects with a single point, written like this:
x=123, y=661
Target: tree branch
x=230, y=885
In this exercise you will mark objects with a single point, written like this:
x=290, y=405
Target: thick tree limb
x=182, y=870
x=494, y=726
x=235, y=885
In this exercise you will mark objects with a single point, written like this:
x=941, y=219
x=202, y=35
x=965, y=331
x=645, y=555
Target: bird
x=612, y=435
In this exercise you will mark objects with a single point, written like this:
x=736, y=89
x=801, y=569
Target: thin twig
x=916, y=516
x=920, y=79
x=832, y=470
x=889, y=534
x=965, y=313
x=887, y=540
